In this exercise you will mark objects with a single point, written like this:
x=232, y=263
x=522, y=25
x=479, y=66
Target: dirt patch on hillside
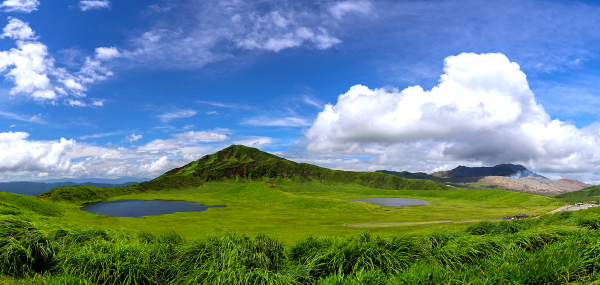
x=536, y=185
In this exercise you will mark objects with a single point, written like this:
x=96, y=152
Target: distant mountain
x=503, y=176
x=121, y=180
x=506, y=170
x=34, y=188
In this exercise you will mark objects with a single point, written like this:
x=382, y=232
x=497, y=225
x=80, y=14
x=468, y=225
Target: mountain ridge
x=508, y=176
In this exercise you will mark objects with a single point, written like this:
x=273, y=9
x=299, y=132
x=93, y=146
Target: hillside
x=240, y=163
x=413, y=175
x=586, y=195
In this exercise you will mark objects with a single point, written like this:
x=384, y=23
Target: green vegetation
x=590, y=194
x=283, y=227
x=240, y=164
x=553, y=249
x=290, y=211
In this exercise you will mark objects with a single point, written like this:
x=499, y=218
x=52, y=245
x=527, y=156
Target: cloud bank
x=481, y=112
x=24, y=158
x=24, y=6
x=32, y=69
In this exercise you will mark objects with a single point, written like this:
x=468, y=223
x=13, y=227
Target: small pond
x=393, y=202
x=141, y=208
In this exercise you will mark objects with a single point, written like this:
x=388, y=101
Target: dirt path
x=559, y=209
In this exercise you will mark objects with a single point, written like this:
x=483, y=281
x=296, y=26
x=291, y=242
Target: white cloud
x=221, y=30
x=17, y=30
x=23, y=159
x=31, y=68
x=482, y=111
x=177, y=114
x=106, y=53
x=280, y=30
x=256, y=141
x=19, y=154
x=25, y=6
x=339, y=9
x=133, y=138
x=204, y=136
x=32, y=119
x=101, y=135
x=277, y=122
x=93, y=4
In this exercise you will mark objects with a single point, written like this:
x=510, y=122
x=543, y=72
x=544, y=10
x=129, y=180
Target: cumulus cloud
x=106, y=53
x=17, y=154
x=32, y=69
x=25, y=6
x=177, y=114
x=482, y=111
x=23, y=158
x=85, y=5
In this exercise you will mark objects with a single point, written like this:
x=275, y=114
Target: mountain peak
x=507, y=170
x=241, y=163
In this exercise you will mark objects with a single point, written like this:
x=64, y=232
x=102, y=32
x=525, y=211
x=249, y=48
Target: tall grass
x=554, y=249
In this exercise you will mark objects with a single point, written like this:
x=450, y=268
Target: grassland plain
x=290, y=211
x=36, y=247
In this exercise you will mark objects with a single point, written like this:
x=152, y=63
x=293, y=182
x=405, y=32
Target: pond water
x=141, y=208
x=393, y=202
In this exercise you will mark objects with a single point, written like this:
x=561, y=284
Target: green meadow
x=296, y=233
x=291, y=211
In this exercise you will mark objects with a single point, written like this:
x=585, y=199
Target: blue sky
x=110, y=89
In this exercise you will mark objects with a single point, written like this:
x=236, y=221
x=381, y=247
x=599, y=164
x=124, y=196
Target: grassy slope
x=241, y=163
x=581, y=196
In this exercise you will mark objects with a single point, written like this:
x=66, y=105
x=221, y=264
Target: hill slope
x=241, y=163
x=588, y=194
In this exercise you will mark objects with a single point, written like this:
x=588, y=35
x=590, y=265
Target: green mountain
x=238, y=163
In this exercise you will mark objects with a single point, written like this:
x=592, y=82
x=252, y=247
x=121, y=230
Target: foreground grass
x=291, y=211
x=553, y=249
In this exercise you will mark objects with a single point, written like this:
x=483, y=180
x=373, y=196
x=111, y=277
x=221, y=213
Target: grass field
x=291, y=211
x=297, y=233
